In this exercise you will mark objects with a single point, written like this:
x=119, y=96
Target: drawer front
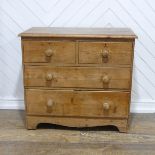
x=116, y=53
x=77, y=103
x=79, y=77
x=55, y=52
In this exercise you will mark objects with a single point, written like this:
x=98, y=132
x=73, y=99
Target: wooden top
x=79, y=32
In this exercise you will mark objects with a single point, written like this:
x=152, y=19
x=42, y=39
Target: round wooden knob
x=49, y=52
x=105, y=53
x=50, y=106
x=106, y=106
x=49, y=76
x=50, y=103
x=106, y=79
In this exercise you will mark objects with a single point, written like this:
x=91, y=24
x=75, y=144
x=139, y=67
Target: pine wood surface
x=78, y=58
x=39, y=51
x=118, y=53
x=80, y=103
x=78, y=77
x=79, y=32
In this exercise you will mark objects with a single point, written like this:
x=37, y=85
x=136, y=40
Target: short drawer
x=112, y=53
x=55, y=52
x=77, y=103
x=78, y=77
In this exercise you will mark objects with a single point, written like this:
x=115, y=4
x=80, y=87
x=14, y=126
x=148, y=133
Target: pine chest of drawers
x=78, y=77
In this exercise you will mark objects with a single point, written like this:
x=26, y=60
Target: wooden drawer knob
x=105, y=55
x=49, y=77
x=106, y=79
x=49, y=52
x=106, y=106
x=49, y=105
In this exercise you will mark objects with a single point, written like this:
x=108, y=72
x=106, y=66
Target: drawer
x=112, y=53
x=77, y=103
x=79, y=77
x=55, y=52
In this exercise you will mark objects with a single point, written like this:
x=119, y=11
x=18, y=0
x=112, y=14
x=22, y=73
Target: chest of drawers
x=78, y=77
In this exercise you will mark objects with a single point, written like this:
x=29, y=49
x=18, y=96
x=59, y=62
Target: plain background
x=18, y=15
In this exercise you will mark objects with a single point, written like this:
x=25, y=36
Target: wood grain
x=77, y=103
x=33, y=121
x=79, y=32
x=62, y=52
x=118, y=53
x=79, y=77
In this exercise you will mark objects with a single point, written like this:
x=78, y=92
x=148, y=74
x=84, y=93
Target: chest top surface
x=79, y=32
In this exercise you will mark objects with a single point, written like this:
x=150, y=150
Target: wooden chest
x=78, y=77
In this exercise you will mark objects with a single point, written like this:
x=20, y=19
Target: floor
x=57, y=140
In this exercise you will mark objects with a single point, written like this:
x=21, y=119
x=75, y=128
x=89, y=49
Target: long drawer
x=79, y=77
x=111, y=53
x=53, y=52
x=77, y=103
